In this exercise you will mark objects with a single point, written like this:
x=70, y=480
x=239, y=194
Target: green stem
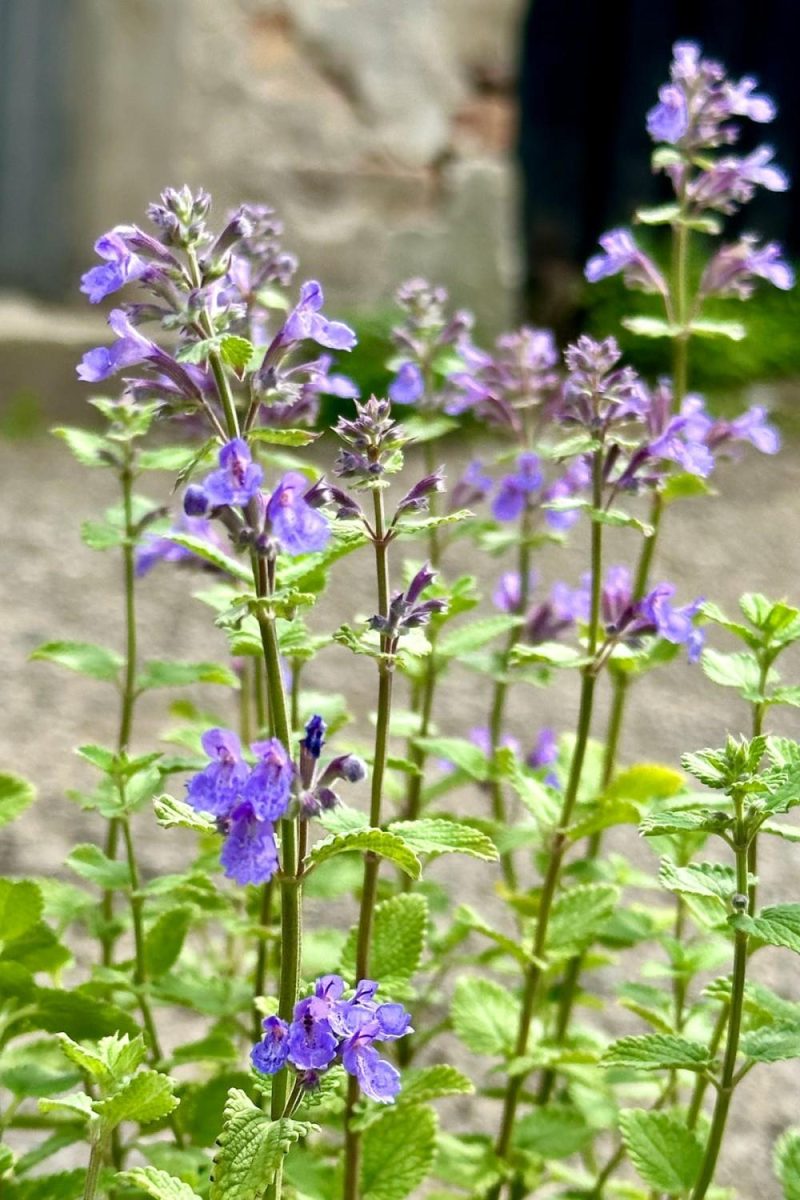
x=129, y=679
x=262, y=953
x=140, y=962
x=96, y=1157
x=434, y=548
x=535, y=971
x=369, y=890
x=727, y=1081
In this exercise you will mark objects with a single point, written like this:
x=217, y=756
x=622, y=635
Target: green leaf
x=399, y=931
x=210, y=554
x=652, y=327
x=485, y=1016
x=182, y=674
x=679, y=821
x=79, y=1014
x=90, y=449
x=165, y=938
x=16, y=794
x=76, y=1104
x=21, y=907
x=84, y=657
x=37, y=948
x=36, y=1068
x=683, y=486
x=786, y=1160
x=553, y=1131
x=644, y=782
x=235, y=351
x=656, y=1051
x=146, y=1097
x=698, y=879
x=90, y=1061
x=666, y=1154
x=578, y=914
x=733, y=330
x=376, y=841
x=91, y=863
x=110, y=1059
x=470, y=638
x=431, y=1083
x=740, y=671
x=397, y=1153
x=773, y=1043
x=156, y=1184
x=432, y=835
x=777, y=925
x=662, y=214
x=171, y=813
x=283, y=437
x=165, y=458
x=464, y=755
x=251, y=1148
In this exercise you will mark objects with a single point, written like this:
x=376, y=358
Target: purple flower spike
x=514, y=490
x=249, y=854
x=299, y=528
x=271, y=1054
x=130, y=348
x=269, y=787
x=668, y=121
x=237, y=480
x=622, y=255
x=675, y=625
x=121, y=266
x=732, y=269
x=408, y=386
x=218, y=787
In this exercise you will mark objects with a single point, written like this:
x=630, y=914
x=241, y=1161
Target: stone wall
x=380, y=129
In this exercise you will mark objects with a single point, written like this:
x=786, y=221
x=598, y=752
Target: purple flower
x=408, y=386
x=554, y=616
x=733, y=268
x=306, y=323
x=742, y=102
x=249, y=853
x=237, y=480
x=622, y=255
x=473, y=486
x=482, y=738
x=219, y=786
x=675, y=625
x=668, y=121
x=314, y=740
x=576, y=478
x=507, y=596
x=378, y=1079
x=312, y=1042
x=130, y=348
x=154, y=549
x=543, y=754
x=598, y=393
x=299, y=528
x=270, y=1055
x=514, y=490
x=752, y=426
x=269, y=787
x=732, y=181
x=121, y=266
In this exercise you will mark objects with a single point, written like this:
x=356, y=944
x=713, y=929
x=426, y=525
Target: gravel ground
x=51, y=586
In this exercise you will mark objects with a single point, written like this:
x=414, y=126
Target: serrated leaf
x=158, y=674
x=698, y=879
x=475, y=636
x=171, y=813
x=164, y=940
x=16, y=794
x=646, y=781
x=375, y=841
x=146, y=1097
x=210, y=554
x=251, y=1148
x=773, y=1043
x=462, y=754
x=666, y=1154
x=283, y=437
x=37, y=948
x=578, y=914
x=165, y=458
x=680, y=821
x=89, y=1060
x=79, y=1014
x=21, y=907
x=740, y=671
x=398, y=940
x=485, y=1016
x=656, y=1051
x=397, y=1153
x=431, y=835
x=786, y=1160
x=156, y=1184
x=76, y=1104
x=415, y=526
x=235, y=351
x=777, y=925
x=91, y=863
x=430, y=1083
x=553, y=1131
x=84, y=657
x=90, y=449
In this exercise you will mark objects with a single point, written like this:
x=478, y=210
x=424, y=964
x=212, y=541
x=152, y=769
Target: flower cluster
x=520, y=378
x=316, y=791
x=246, y=801
x=407, y=609
x=283, y=520
x=156, y=548
x=427, y=342
x=328, y=1029
x=628, y=620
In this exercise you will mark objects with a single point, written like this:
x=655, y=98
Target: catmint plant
x=272, y=1019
